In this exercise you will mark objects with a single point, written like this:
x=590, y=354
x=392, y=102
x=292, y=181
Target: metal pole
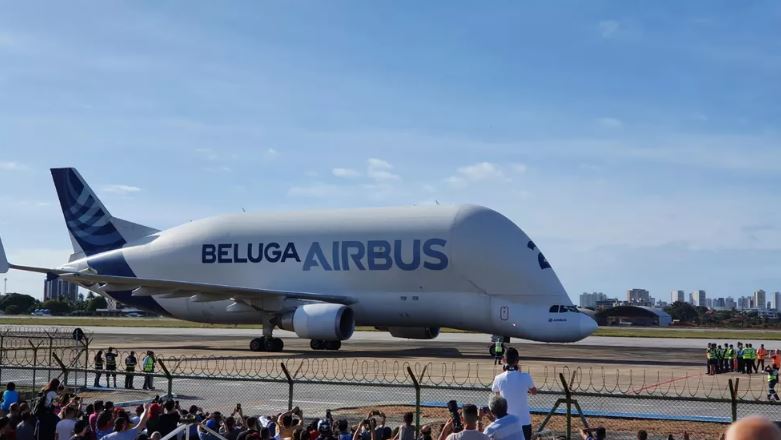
x=289, y=386
x=2, y=352
x=416, y=384
x=733, y=394
x=35, y=361
x=50, y=355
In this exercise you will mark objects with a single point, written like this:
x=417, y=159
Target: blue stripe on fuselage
x=114, y=263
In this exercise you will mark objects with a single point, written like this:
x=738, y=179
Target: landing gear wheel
x=333, y=345
x=274, y=344
x=317, y=344
x=257, y=344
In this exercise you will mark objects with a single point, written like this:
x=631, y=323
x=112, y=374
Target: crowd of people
x=57, y=414
x=745, y=359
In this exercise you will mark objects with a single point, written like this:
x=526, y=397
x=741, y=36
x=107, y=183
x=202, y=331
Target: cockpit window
x=563, y=309
x=572, y=309
x=554, y=309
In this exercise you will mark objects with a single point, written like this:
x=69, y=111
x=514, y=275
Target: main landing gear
x=320, y=344
x=266, y=344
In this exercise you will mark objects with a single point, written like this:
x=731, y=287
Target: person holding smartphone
x=470, y=417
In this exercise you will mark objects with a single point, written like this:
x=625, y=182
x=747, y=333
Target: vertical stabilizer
x=92, y=228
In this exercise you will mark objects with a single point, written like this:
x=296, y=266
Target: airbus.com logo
x=337, y=255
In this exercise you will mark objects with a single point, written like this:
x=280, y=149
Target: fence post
x=35, y=360
x=416, y=383
x=2, y=356
x=62, y=367
x=51, y=347
x=289, y=385
x=733, y=394
x=86, y=359
x=169, y=377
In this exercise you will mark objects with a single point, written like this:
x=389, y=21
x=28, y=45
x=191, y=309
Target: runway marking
x=637, y=391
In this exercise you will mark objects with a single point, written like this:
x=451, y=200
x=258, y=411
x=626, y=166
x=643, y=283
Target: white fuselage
x=465, y=267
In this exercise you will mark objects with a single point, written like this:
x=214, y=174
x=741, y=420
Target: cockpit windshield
x=563, y=309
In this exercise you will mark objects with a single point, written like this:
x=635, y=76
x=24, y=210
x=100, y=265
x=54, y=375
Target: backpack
x=39, y=404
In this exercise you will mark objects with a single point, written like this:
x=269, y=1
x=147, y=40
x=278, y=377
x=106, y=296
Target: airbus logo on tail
x=341, y=256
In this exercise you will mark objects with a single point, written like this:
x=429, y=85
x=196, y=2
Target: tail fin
x=92, y=228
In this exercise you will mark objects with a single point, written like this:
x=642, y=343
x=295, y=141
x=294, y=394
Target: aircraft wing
x=200, y=292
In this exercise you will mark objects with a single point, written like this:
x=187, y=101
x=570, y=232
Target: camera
x=452, y=406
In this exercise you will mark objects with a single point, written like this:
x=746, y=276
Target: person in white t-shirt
x=515, y=386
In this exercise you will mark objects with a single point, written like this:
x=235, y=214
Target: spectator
x=213, y=422
x=65, y=427
x=93, y=417
x=14, y=415
x=155, y=436
x=642, y=435
x=229, y=428
x=406, y=431
x=104, y=424
x=503, y=426
x=98, y=363
x=343, y=430
x=593, y=434
x=515, y=386
x=46, y=423
x=25, y=429
x=325, y=432
x=425, y=433
x=80, y=430
x=252, y=429
x=49, y=393
x=169, y=420
x=122, y=430
x=287, y=422
x=10, y=396
x=5, y=427
x=753, y=428
x=470, y=417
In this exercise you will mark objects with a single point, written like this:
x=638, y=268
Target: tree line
x=687, y=314
x=21, y=304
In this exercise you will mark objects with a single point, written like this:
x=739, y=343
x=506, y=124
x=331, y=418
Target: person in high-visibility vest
x=749, y=355
x=761, y=356
x=739, y=359
x=148, y=366
x=498, y=352
x=710, y=356
x=776, y=358
x=719, y=355
x=772, y=380
x=130, y=368
x=731, y=358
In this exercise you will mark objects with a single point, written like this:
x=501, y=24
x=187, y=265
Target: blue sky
x=638, y=144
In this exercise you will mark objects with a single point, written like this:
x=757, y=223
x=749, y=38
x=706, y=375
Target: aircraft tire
x=317, y=344
x=257, y=344
x=275, y=345
x=333, y=345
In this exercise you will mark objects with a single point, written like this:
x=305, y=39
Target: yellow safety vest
x=149, y=364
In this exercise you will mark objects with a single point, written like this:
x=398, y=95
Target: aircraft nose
x=587, y=326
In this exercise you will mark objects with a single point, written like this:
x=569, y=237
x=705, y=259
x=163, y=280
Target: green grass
x=693, y=333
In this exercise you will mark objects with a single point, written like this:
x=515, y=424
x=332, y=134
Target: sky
x=637, y=143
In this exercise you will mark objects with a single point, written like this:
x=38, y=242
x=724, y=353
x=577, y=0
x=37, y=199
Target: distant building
x=607, y=303
x=719, y=303
x=56, y=289
x=759, y=299
x=677, y=295
x=729, y=303
x=777, y=297
x=629, y=315
x=590, y=299
x=638, y=297
x=744, y=303
x=699, y=298
x=692, y=299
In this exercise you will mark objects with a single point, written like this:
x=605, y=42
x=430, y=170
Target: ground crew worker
x=761, y=356
x=710, y=355
x=776, y=358
x=719, y=358
x=148, y=366
x=730, y=358
x=130, y=368
x=749, y=354
x=772, y=380
x=498, y=352
x=740, y=357
x=98, y=360
x=111, y=366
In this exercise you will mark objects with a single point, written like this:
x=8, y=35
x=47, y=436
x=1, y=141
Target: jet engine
x=321, y=321
x=414, y=332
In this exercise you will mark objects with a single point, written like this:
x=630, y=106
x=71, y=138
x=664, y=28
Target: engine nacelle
x=329, y=322
x=414, y=332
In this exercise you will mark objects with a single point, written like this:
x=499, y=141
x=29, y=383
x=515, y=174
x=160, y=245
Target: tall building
x=692, y=299
x=638, y=296
x=729, y=303
x=777, y=297
x=759, y=299
x=744, y=303
x=699, y=298
x=59, y=290
x=590, y=299
x=677, y=295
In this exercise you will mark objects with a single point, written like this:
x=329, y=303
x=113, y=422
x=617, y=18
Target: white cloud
x=120, y=189
x=608, y=28
x=380, y=171
x=610, y=122
x=345, y=172
x=481, y=171
x=12, y=166
x=271, y=153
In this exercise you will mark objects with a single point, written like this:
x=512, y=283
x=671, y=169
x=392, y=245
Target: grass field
x=629, y=332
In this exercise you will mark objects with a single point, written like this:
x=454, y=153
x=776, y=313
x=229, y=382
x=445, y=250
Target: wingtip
x=4, y=266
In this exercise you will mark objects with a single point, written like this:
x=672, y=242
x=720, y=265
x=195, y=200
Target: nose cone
x=587, y=326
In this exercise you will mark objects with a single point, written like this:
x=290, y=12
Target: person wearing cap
x=515, y=386
x=324, y=430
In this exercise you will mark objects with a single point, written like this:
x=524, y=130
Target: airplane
x=406, y=270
